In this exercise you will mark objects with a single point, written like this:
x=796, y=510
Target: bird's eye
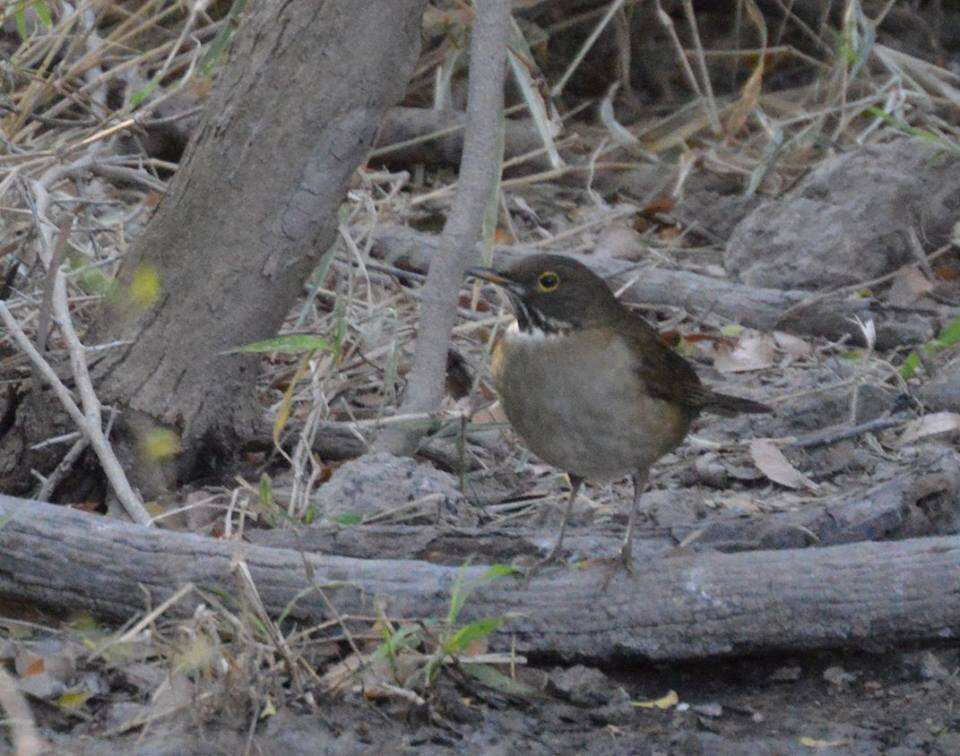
x=548, y=281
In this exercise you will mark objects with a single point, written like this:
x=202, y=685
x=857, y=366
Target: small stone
x=583, y=686
x=710, y=470
x=620, y=241
x=931, y=668
x=713, y=710
x=865, y=197
x=838, y=676
x=786, y=674
x=381, y=482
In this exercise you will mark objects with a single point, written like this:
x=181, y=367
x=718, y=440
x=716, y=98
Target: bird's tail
x=724, y=404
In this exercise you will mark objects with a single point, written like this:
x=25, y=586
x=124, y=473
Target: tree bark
x=763, y=309
x=477, y=181
x=683, y=607
x=252, y=207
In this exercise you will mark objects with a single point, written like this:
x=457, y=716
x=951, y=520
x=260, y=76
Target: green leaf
x=473, y=632
x=74, y=699
x=913, y=131
x=21, y=18
x=407, y=636
x=142, y=94
x=94, y=281
x=266, y=492
x=497, y=571
x=347, y=518
x=219, y=44
x=458, y=594
x=909, y=366
x=947, y=337
x=460, y=591
x=490, y=677
x=291, y=343
x=43, y=13
x=950, y=335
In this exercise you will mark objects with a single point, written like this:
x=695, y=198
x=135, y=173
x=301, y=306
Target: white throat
x=533, y=336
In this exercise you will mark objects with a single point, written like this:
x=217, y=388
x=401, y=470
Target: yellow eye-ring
x=548, y=281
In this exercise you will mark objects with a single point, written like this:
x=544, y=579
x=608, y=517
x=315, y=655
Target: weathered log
x=690, y=606
x=401, y=126
x=763, y=309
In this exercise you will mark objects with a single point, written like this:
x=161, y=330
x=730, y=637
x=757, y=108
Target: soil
x=890, y=702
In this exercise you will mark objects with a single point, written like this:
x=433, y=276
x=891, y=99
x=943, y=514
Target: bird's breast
x=577, y=402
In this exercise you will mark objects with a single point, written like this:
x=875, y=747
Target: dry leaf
x=792, y=345
x=741, y=505
x=666, y=702
x=754, y=351
x=621, y=242
x=933, y=424
x=669, y=233
x=821, y=744
x=74, y=699
x=342, y=674
x=492, y=414
x=909, y=285
x=663, y=204
x=771, y=462
x=742, y=108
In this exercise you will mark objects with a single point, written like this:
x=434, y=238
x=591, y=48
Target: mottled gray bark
x=479, y=169
x=253, y=206
x=764, y=309
x=682, y=607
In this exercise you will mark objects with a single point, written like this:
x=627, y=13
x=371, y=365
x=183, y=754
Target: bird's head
x=553, y=293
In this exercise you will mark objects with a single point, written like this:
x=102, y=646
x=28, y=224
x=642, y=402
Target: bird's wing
x=665, y=373
x=670, y=377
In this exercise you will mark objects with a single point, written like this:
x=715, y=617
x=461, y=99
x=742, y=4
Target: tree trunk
x=251, y=209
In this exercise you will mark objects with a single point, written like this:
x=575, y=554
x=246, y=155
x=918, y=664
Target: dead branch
x=689, y=606
x=763, y=309
x=26, y=738
x=435, y=138
x=482, y=155
x=89, y=420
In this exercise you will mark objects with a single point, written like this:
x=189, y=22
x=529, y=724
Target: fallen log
x=763, y=309
x=409, y=136
x=690, y=606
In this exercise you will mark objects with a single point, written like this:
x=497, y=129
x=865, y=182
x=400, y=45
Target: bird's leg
x=626, y=550
x=575, y=483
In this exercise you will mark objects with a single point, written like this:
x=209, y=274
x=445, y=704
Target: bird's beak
x=489, y=274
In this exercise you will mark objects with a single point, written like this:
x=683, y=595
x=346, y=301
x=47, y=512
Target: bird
x=588, y=384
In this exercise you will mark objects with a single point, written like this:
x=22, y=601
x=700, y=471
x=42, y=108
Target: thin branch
x=26, y=738
x=91, y=430
x=611, y=11
x=479, y=170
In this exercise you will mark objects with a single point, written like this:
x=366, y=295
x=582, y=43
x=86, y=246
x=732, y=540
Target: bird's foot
x=554, y=557
x=622, y=562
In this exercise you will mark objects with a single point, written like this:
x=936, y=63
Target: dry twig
x=479, y=169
